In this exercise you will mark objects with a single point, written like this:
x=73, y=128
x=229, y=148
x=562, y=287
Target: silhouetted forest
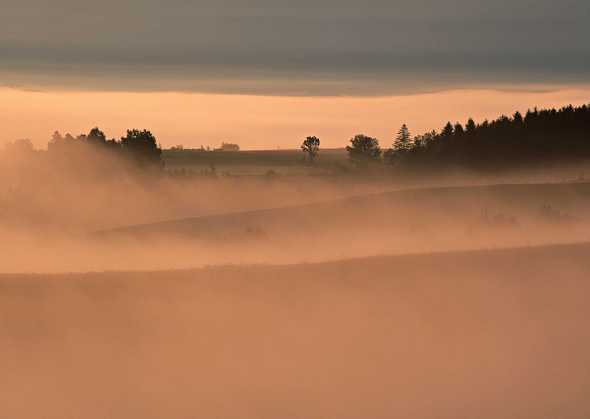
x=86, y=156
x=140, y=147
x=540, y=136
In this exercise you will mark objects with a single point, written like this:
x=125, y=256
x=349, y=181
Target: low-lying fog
x=498, y=334
x=411, y=221
x=95, y=214
x=475, y=334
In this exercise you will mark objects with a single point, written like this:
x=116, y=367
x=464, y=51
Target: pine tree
x=403, y=140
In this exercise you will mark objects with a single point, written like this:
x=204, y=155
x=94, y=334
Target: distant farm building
x=229, y=147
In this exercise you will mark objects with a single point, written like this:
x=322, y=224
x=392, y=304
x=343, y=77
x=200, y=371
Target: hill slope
x=454, y=335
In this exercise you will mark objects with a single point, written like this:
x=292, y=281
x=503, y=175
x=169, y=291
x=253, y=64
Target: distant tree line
x=537, y=137
x=137, y=146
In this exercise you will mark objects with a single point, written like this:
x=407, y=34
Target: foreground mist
x=97, y=212
x=490, y=334
x=283, y=308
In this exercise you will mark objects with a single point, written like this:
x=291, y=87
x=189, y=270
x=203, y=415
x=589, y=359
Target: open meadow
x=487, y=334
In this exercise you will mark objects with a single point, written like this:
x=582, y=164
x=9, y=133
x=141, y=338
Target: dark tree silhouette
x=403, y=140
x=142, y=147
x=401, y=145
x=311, y=147
x=363, y=150
x=447, y=131
x=83, y=153
x=424, y=140
x=96, y=136
x=539, y=137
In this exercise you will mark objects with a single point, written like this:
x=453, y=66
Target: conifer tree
x=402, y=142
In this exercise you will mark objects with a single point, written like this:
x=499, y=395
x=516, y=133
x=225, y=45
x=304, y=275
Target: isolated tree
x=403, y=140
x=363, y=150
x=142, y=147
x=311, y=147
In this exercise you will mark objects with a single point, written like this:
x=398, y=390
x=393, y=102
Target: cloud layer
x=284, y=47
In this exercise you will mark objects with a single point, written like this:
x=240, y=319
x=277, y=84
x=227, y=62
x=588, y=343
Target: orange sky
x=257, y=122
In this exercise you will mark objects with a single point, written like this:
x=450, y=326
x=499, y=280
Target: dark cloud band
x=321, y=47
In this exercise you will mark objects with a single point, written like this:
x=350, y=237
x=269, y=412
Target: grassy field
x=336, y=162
x=395, y=222
x=483, y=334
x=244, y=221
x=270, y=301
x=244, y=163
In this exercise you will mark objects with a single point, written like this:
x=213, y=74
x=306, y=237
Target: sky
x=278, y=50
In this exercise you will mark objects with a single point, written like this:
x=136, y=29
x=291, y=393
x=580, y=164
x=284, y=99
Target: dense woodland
x=539, y=136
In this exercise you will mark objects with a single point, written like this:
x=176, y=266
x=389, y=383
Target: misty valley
x=444, y=277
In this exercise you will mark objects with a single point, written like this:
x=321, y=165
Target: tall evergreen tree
x=403, y=141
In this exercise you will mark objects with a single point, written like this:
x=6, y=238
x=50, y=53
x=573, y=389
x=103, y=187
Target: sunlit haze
x=259, y=122
x=294, y=209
